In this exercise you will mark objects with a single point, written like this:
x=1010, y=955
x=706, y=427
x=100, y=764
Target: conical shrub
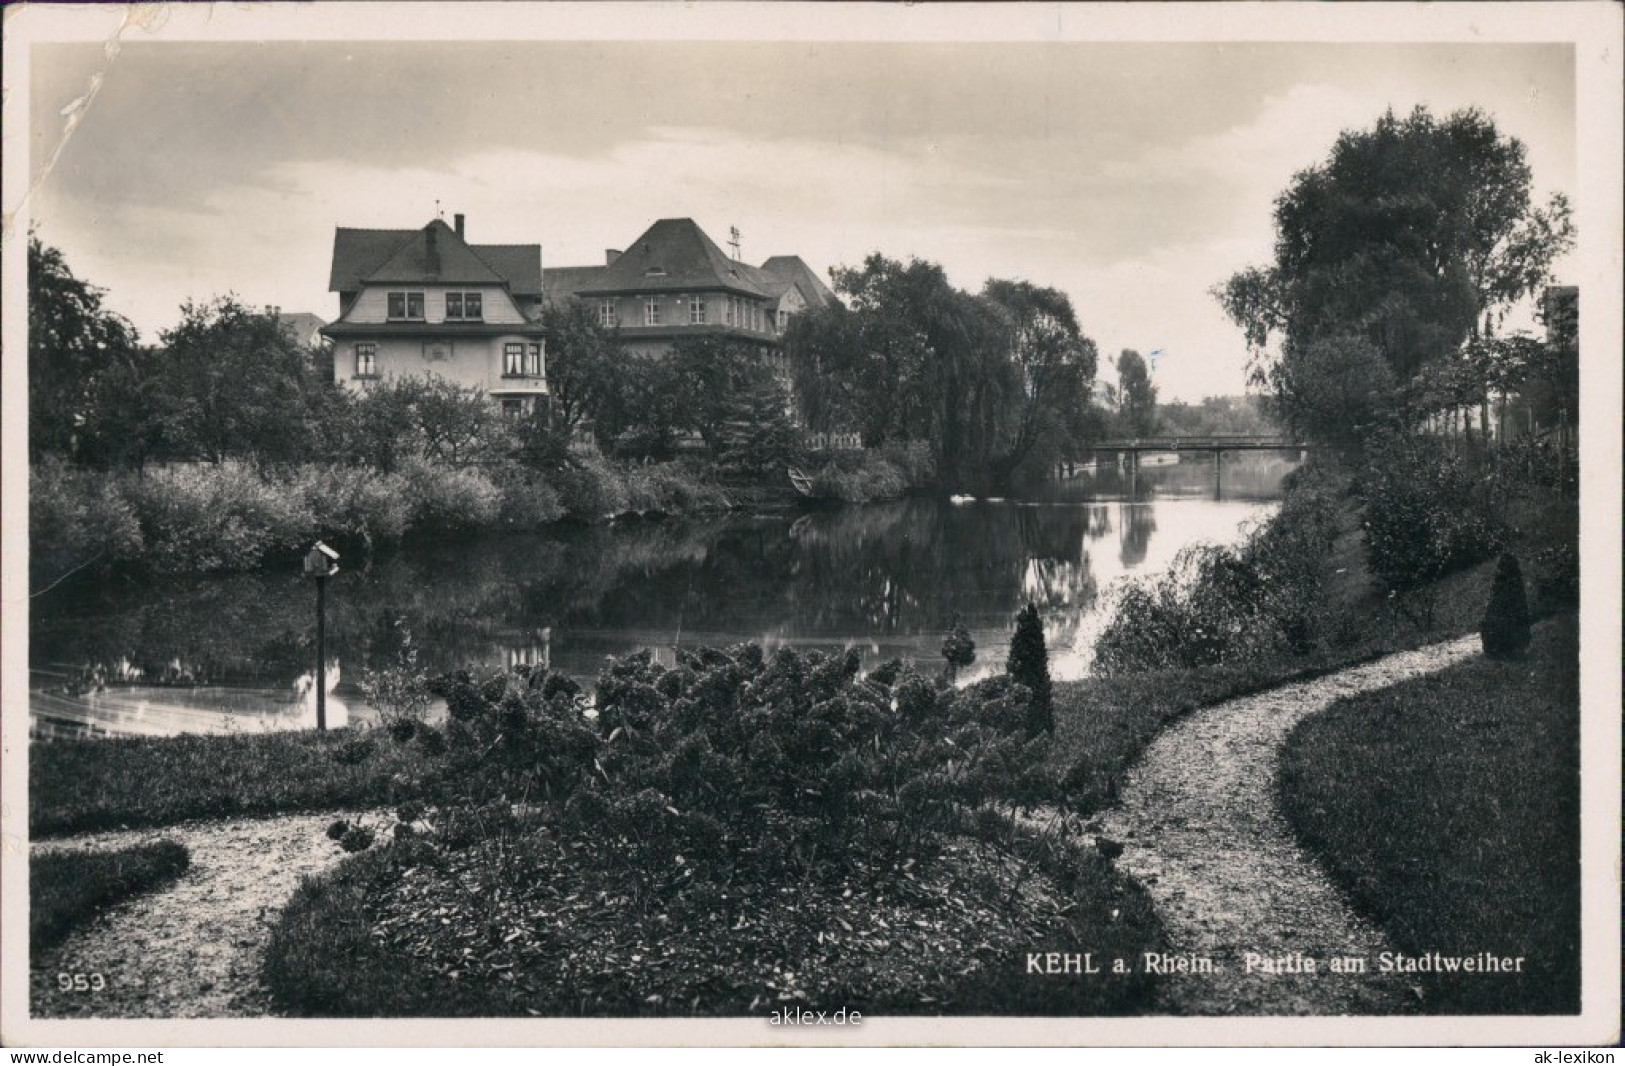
x=1029, y=665
x=1505, y=628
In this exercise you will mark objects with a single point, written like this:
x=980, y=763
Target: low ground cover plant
x=738, y=829
x=1447, y=807
x=68, y=888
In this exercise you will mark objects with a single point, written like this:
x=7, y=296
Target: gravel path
x=191, y=949
x=1204, y=833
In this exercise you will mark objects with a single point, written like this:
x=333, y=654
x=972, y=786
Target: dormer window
x=655, y=272
x=406, y=306
x=464, y=307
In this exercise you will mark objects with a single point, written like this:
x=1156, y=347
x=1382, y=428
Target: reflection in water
x=214, y=654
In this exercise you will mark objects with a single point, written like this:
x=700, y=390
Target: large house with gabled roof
x=425, y=301
x=674, y=282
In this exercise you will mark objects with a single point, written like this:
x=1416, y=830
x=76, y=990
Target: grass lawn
x=71, y=887
x=1448, y=808
x=82, y=785
x=517, y=927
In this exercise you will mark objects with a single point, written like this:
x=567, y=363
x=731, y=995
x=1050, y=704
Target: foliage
x=737, y=766
x=1415, y=235
x=353, y=503
x=672, y=488
x=1427, y=513
x=1447, y=809
x=859, y=477
x=204, y=517
x=1136, y=396
x=590, y=487
x=231, y=382
x=66, y=889
x=450, y=499
x=400, y=690
x=84, y=368
x=1221, y=606
x=1342, y=391
x=988, y=382
x=77, y=519
x=1505, y=628
x=1028, y=666
x=529, y=500
x=426, y=418
x=1217, y=416
x=958, y=649
x=584, y=365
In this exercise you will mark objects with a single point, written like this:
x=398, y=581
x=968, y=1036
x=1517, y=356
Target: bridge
x=1223, y=442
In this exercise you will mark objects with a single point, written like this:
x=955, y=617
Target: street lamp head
x=321, y=561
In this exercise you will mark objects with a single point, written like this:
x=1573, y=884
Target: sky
x=1132, y=176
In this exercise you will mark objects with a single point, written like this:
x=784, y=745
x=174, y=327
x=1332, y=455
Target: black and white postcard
x=532, y=524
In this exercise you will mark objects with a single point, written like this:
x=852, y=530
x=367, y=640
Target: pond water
x=235, y=652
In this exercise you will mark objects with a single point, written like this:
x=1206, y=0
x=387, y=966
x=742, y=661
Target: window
x=513, y=360
x=464, y=307
x=784, y=321
x=651, y=311
x=696, y=310
x=407, y=305
x=366, y=360
x=513, y=408
x=533, y=360
x=729, y=313
x=606, y=313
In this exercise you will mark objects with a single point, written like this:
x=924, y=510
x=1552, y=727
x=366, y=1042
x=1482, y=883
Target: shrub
x=1226, y=605
x=1505, y=628
x=528, y=501
x=1028, y=666
x=958, y=648
x=590, y=487
x=446, y=499
x=76, y=517
x=743, y=766
x=672, y=488
x=354, y=502
x=1427, y=513
x=216, y=517
x=859, y=477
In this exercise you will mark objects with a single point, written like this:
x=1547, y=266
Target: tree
x=1342, y=389
x=958, y=649
x=1414, y=235
x=1137, y=397
x=85, y=369
x=1056, y=363
x=426, y=416
x=231, y=382
x=583, y=364
x=722, y=386
x=1029, y=665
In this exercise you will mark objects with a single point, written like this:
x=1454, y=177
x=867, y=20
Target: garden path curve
x=1203, y=831
x=192, y=948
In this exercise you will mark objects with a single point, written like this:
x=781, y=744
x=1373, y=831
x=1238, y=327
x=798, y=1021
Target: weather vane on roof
x=438, y=212
x=733, y=240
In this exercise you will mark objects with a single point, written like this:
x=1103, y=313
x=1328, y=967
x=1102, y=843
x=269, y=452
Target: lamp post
x=321, y=563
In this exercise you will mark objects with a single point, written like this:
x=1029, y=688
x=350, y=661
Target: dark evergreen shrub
x=1505, y=627
x=958, y=648
x=1029, y=665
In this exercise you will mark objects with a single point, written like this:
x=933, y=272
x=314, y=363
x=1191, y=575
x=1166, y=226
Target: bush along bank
x=228, y=516
x=734, y=835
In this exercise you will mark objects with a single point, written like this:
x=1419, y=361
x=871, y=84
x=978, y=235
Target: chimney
x=433, y=250
x=457, y=224
x=610, y=255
